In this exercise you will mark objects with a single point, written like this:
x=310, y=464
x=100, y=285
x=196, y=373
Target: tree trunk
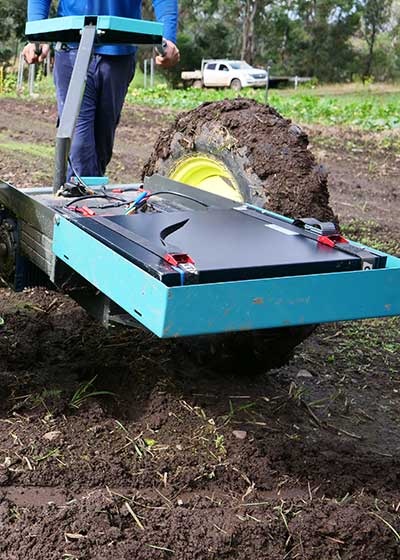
x=371, y=45
x=248, y=39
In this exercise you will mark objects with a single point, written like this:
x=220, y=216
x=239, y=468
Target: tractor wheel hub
x=208, y=174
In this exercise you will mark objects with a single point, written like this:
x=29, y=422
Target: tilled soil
x=114, y=444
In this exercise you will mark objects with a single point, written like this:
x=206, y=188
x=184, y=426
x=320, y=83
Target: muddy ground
x=175, y=460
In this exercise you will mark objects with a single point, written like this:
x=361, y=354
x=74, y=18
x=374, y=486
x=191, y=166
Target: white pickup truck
x=235, y=74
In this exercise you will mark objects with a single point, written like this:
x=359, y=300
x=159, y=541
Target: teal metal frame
x=215, y=307
x=228, y=306
x=103, y=23
x=127, y=25
x=54, y=24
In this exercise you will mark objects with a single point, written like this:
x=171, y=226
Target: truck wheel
x=236, y=84
x=198, y=84
x=246, y=152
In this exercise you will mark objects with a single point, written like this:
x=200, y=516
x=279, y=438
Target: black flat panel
x=225, y=244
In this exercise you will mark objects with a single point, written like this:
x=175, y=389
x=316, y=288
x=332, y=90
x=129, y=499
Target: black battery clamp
x=328, y=233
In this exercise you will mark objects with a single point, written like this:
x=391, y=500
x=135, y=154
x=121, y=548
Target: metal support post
x=72, y=105
x=152, y=72
x=267, y=69
x=145, y=74
x=31, y=79
x=48, y=65
x=20, y=78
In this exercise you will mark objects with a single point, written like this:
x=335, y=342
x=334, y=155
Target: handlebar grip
x=38, y=49
x=162, y=48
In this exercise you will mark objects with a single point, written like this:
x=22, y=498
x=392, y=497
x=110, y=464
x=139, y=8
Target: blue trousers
x=107, y=83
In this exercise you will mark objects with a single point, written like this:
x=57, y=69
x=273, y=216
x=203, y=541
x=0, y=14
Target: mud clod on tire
x=266, y=153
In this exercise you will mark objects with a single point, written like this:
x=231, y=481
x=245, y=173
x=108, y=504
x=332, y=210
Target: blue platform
x=228, y=306
x=110, y=29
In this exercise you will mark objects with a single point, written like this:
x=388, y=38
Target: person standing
x=111, y=70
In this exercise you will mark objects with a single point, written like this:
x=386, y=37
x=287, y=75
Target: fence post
x=152, y=72
x=296, y=82
x=145, y=74
x=267, y=70
x=31, y=79
x=20, y=78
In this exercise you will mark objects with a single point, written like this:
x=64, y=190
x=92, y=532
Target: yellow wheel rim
x=208, y=174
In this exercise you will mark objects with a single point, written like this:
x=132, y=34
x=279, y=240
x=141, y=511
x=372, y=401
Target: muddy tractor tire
x=248, y=152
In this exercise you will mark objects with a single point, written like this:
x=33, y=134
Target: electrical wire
x=174, y=193
x=90, y=196
x=80, y=180
x=105, y=206
x=141, y=203
x=133, y=207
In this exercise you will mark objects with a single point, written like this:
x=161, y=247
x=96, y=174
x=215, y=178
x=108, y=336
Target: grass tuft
x=86, y=391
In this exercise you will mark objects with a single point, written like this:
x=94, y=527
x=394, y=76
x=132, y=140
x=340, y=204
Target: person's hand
x=170, y=57
x=31, y=56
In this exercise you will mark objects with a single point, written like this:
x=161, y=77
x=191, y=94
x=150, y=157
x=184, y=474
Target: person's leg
x=114, y=75
x=83, y=149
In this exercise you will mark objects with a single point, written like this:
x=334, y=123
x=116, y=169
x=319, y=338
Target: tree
x=248, y=39
x=375, y=15
x=329, y=26
x=13, y=18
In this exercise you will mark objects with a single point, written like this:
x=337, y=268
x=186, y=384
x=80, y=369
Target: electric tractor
x=189, y=251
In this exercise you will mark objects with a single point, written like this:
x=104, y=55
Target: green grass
x=367, y=345
x=86, y=391
x=373, y=335
x=365, y=107
x=42, y=151
x=369, y=233
x=138, y=80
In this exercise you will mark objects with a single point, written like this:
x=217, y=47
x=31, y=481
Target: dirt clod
x=257, y=144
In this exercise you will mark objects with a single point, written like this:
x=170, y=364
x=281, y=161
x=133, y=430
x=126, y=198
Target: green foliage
x=363, y=110
x=311, y=38
x=191, y=55
x=300, y=37
x=367, y=112
x=9, y=83
x=12, y=17
x=5, y=54
x=138, y=80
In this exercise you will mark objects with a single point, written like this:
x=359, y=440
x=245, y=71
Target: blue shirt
x=166, y=12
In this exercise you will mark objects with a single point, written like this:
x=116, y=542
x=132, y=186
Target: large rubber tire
x=266, y=154
x=271, y=166
x=244, y=352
